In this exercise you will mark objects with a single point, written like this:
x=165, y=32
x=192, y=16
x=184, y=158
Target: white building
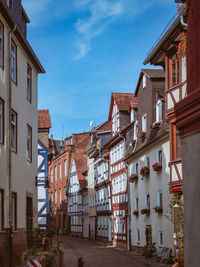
x=18, y=132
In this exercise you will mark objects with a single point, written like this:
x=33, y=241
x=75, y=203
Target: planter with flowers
x=158, y=209
x=144, y=171
x=145, y=211
x=142, y=135
x=157, y=167
x=136, y=212
x=133, y=178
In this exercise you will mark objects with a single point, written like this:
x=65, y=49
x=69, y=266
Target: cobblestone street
x=97, y=255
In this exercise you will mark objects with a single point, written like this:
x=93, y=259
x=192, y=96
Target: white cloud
x=102, y=14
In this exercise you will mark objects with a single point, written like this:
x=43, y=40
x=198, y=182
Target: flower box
x=145, y=211
x=144, y=171
x=142, y=134
x=158, y=209
x=133, y=178
x=156, y=124
x=136, y=212
x=157, y=167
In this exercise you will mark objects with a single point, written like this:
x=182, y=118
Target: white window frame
x=159, y=111
x=147, y=161
x=160, y=238
x=160, y=199
x=56, y=199
x=60, y=196
x=136, y=130
x=144, y=122
x=13, y=61
x=1, y=121
x=65, y=167
x=159, y=152
x=56, y=172
x=29, y=143
x=133, y=115
x=136, y=203
x=60, y=170
x=29, y=83
x=137, y=235
x=144, y=81
x=147, y=204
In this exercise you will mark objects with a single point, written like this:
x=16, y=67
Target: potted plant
x=136, y=212
x=41, y=248
x=158, y=209
x=145, y=211
x=144, y=171
x=133, y=178
x=157, y=167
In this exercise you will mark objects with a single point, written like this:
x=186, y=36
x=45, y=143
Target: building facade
x=18, y=133
x=148, y=166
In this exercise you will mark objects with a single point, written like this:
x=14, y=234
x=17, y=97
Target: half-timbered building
x=119, y=115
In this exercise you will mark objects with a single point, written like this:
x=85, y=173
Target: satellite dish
x=91, y=123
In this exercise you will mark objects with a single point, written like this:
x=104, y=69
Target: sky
x=89, y=49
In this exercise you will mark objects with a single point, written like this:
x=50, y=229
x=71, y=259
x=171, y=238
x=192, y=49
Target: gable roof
x=151, y=74
x=123, y=101
x=44, y=119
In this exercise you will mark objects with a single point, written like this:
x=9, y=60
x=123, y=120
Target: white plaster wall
x=23, y=171
x=152, y=184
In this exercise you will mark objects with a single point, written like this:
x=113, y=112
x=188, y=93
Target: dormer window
x=144, y=81
x=159, y=110
x=115, y=119
x=144, y=123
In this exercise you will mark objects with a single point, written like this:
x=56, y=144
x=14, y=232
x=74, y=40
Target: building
x=99, y=190
x=18, y=133
x=148, y=159
x=59, y=163
x=120, y=116
x=44, y=124
x=167, y=53
x=77, y=186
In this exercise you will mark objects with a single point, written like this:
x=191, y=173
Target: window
x=159, y=156
x=176, y=143
x=159, y=111
x=136, y=203
x=65, y=194
x=60, y=193
x=160, y=238
x=174, y=70
x=1, y=210
x=1, y=45
x=1, y=121
x=14, y=61
x=55, y=173
x=147, y=200
x=144, y=123
x=115, y=120
x=65, y=167
x=14, y=130
x=51, y=175
x=136, y=168
x=136, y=131
x=14, y=211
x=60, y=170
x=160, y=199
x=55, y=197
x=29, y=83
x=29, y=142
x=147, y=162
x=133, y=115
x=144, y=81
x=137, y=235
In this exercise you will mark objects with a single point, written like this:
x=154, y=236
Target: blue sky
x=90, y=48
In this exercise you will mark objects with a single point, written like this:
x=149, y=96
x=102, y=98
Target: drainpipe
x=9, y=166
x=182, y=22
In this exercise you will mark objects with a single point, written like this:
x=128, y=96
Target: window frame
x=158, y=114
x=160, y=233
x=160, y=199
x=147, y=200
x=14, y=149
x=159, y=155
x=2, y=42
x=144, y=81
x=13, y=66
x=177, y=65
x=174, y=135
x=138, y=235
x=2, y=122
x=29, y=139
x=29, y=83
x=144, y=122
x=136, y=203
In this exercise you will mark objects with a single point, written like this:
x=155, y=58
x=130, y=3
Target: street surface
x=98, y=255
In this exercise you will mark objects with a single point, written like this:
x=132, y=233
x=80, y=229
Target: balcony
x=176, y=177
x=174, y=95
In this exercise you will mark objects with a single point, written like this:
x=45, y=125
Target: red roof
x=123, y=102
x=44, y=119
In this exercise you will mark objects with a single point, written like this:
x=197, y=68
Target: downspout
x=9, y=142
x=182, y=22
